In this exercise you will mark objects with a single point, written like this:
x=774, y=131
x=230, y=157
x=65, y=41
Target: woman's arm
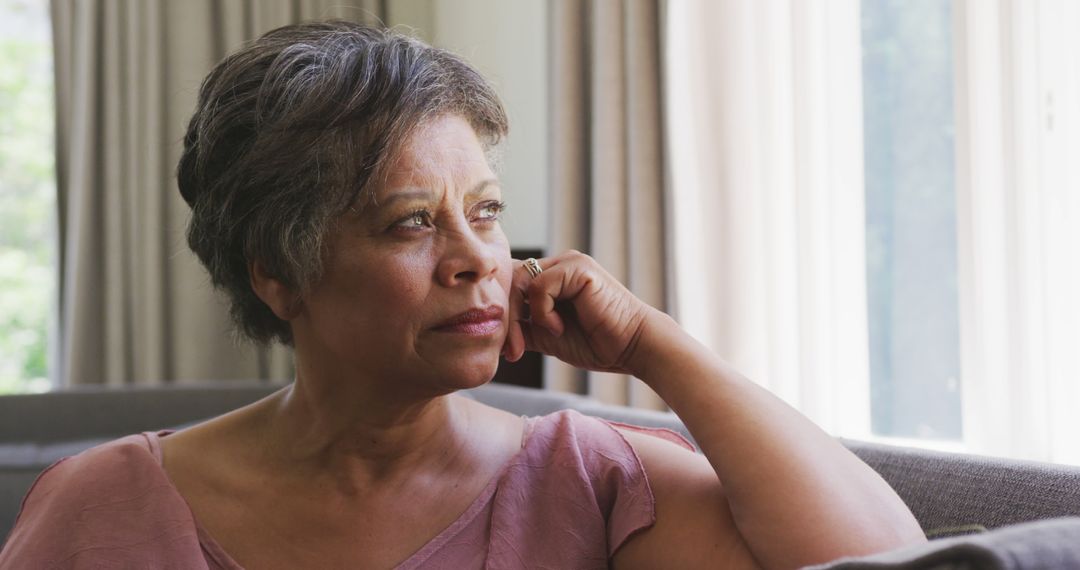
x=793, y=495
x=796, y=495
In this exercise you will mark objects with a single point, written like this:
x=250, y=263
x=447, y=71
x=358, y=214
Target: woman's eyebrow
x=480, y=186
x=405, y=195
x=426, y=193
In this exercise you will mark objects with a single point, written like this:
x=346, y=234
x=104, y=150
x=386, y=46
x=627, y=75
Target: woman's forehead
x=441, y=155
x=441, y=147
x=438, y=169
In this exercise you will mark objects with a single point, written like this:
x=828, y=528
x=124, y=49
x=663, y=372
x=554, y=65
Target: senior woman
x=343, y=196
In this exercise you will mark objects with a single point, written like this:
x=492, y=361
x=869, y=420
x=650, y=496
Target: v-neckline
x=222, y=558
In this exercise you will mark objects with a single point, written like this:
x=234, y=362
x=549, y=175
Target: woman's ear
x=279, y=297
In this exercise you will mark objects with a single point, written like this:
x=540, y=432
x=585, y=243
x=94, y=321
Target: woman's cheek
x=506, y=262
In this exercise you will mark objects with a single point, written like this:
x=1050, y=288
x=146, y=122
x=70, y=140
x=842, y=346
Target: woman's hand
x=829, y=502
x=577, y=312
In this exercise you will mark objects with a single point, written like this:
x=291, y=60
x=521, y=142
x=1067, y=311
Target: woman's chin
x=473, y=371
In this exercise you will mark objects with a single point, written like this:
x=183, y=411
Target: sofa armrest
x=954, y=489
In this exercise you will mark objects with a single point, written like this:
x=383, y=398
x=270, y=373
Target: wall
x=507, y=42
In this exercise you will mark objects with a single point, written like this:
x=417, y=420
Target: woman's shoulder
x=596, y=434
x=603, y=450
x=110, y=467
x=579, y=477
x=105, y=503
x=116, y=466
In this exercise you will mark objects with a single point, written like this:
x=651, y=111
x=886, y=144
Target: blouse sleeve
x=111, y=506
x=619, y=479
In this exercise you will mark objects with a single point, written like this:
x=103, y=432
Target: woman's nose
x=467, y=257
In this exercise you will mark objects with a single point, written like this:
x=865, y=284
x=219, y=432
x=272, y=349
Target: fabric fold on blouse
x=572, y=495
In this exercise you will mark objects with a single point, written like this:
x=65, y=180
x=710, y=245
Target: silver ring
x=533, y=267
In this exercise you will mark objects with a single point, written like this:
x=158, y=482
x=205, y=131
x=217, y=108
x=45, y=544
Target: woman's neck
x=364, y=438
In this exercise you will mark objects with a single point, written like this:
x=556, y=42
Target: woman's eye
x=417, y=219
x=491, y=210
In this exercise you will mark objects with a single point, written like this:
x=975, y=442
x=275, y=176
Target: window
x=911, y=249
x=877, y=212
x=971, y=111
x=27, y=195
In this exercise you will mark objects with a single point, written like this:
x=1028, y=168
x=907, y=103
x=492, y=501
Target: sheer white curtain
x=767, y=209
x=1018, y=184
x=763, y=103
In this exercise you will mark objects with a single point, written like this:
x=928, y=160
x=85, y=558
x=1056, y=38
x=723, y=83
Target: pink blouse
x=570, y=497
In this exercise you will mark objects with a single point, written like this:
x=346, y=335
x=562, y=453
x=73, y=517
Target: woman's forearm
x=796, y=494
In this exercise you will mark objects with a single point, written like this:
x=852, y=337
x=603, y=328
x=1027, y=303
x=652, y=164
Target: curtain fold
x=1018, y=190
x=764, y=127
x=607, y=185
x=136, y=307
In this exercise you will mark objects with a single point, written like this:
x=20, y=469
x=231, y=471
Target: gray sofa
x=948, y=493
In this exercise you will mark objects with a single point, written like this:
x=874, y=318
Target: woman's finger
x=514, y=340
x=515, y=345
x=519, y=316
x=538, y=339
x=567, y=278
x=542, y=304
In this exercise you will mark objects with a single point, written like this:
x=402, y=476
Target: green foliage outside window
x=27, y=197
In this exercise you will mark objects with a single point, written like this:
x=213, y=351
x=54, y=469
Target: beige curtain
x=607, y=185
x=136, y=306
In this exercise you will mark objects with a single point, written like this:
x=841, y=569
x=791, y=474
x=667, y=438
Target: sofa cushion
x=107, y=413
x=41, y=455
x=534, y=402
x=1048, y=544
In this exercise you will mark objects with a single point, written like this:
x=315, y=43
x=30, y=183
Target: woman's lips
x=473, y=328
x=478, y=321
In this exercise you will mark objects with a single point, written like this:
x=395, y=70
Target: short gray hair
x=292, y=130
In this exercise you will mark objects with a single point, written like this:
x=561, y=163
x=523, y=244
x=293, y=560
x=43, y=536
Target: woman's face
x=426, y=250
